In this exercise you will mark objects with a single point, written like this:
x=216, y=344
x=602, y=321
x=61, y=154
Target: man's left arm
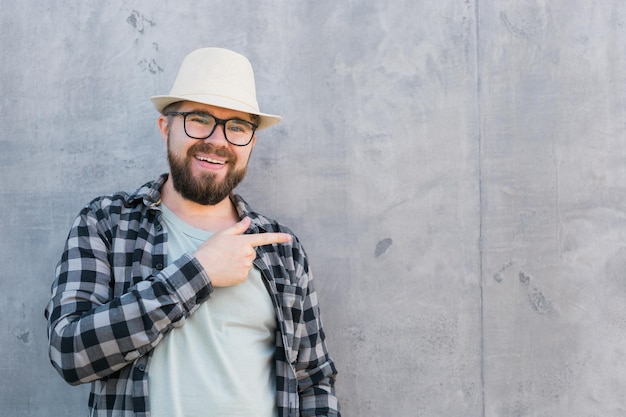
x=315, y=368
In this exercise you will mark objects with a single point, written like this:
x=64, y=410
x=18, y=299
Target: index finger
x=267, y=238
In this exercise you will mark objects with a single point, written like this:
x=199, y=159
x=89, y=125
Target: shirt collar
x=258, y=223
x=149, y=193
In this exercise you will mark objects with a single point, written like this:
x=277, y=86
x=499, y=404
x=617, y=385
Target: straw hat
x=218, y=77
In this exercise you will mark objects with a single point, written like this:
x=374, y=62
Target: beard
x=204, y=189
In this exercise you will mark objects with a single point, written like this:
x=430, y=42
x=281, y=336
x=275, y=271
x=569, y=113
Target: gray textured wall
x=455, y=168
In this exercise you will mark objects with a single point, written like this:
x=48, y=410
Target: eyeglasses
x=200, y=125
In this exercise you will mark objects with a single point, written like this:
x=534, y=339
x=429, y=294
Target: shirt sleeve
x=315, y=369
x=92, y=331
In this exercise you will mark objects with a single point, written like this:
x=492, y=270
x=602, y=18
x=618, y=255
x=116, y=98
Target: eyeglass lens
x=201, y=126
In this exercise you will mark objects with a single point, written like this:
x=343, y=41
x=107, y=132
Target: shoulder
x=148, y=194
x=121, y=202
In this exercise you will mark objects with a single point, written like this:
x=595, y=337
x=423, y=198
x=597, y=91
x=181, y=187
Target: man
x=178, y=299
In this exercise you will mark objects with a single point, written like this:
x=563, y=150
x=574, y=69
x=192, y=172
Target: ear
x=163, y=126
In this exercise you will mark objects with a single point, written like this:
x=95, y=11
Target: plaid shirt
x=114, y=299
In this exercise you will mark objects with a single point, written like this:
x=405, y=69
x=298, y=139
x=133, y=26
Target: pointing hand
x=227, y=256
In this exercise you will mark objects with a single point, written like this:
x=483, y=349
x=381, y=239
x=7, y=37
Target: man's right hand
x=227, y=256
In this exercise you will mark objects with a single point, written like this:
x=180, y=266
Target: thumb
x=238, y=228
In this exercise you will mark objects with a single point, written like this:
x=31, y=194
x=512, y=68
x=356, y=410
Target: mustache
x=207, y=147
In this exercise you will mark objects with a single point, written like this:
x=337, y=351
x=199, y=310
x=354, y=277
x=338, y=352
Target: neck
x=210, y=218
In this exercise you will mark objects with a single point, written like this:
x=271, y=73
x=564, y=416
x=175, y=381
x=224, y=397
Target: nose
x=219, y=133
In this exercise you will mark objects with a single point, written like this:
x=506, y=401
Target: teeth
x=213, y=161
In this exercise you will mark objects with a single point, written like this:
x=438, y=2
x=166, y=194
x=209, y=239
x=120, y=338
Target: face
x=204, y=171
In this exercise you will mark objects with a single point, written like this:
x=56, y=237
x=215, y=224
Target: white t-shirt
x=221, y=361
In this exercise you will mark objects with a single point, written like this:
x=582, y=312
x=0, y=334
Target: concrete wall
x=455, y=168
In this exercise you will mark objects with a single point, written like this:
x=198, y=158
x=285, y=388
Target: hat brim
x=266, y=120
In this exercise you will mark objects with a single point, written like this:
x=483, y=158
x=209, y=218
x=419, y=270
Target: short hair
x=174, y=107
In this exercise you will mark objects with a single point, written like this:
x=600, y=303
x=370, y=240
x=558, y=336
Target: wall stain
x=524, y=29
x=382, y=247
x=524, y=279
x=356, y=333
x=540, y=303
x=24, y=337
x=139, y=21
x=150, y=66
x=499, y=276
x=537, y=300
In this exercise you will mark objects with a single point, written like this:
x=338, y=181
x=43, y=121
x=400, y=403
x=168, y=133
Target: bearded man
x=178, y=299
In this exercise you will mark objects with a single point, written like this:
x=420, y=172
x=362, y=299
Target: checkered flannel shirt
x=114, y=299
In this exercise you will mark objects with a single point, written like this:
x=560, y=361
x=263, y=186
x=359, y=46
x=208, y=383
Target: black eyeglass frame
x=217, y=122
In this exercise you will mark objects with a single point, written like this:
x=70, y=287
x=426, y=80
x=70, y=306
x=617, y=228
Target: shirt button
x=141, y=367
x=159, y=227
x=159, y=266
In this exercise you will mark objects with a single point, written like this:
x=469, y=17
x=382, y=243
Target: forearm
x=315, y=369
x=90, y=340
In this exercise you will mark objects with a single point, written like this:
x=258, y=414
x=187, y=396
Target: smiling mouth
x=210, y=160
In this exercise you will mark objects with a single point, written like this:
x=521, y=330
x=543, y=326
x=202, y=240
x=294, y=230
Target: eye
x=239, y=126
x=200, y=118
